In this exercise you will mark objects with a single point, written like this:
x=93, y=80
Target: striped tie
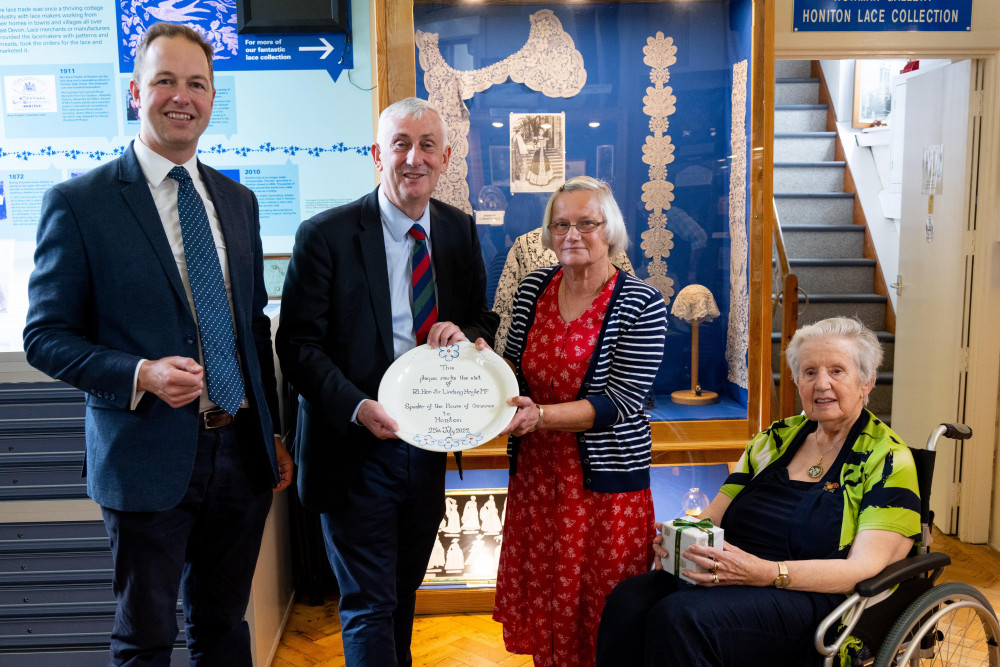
x=424, y=306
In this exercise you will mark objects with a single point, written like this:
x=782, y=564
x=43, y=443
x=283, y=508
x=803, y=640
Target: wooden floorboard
x=312, y=636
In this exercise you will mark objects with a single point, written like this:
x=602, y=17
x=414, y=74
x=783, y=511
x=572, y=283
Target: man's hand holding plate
x=443, y=334
x=373, y=417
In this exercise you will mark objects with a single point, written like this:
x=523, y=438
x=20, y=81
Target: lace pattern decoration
x=738, y=335
x=658, y=103
x=548, y=63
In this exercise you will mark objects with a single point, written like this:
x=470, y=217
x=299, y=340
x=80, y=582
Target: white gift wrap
x=708, y=535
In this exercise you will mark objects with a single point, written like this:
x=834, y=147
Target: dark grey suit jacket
x=106, y=292
x=335, y=337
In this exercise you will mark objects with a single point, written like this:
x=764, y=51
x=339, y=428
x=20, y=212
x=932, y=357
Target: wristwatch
x=782, y=581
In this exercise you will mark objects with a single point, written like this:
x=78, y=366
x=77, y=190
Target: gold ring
x=715, y=577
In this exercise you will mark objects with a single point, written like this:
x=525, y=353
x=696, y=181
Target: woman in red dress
x=587, y=340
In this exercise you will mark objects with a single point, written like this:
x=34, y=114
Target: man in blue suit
x=355, y=298
x=148, y=295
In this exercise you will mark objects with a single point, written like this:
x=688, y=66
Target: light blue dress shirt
x=398, y=248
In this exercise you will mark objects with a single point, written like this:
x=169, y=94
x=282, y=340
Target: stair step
x=70, y=442
x=45, y=531
x=93, y=657
x=47, y=594
x=825, y=262
x=888, y=350
x=65, y=425
x=804, y=146
x=884, y=337
x=869, y=308
x=824, y=241
x=22, y=411
x=818, y=277
x=805, y=135
x=814, y=208
x=792, y=68
x=809, y=177
x=53, y=566
x=39, y=392
x=800, y=118
x=796, y=91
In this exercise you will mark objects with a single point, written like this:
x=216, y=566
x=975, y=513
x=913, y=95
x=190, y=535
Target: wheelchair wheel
x=951, y=624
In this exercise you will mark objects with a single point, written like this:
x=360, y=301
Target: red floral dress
x=564, y=547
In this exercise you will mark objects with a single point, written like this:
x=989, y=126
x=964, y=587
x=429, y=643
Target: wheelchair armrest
x=901, y=571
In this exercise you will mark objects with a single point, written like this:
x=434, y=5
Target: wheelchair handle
x=950, y=431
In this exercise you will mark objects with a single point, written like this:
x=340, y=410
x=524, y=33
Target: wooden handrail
x=788, y=297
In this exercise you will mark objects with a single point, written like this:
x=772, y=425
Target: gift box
x=680, y=534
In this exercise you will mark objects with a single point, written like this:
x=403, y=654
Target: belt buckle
x=217, y=418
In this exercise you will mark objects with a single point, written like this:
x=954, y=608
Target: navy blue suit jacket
x=106, y=292
x=335, y=337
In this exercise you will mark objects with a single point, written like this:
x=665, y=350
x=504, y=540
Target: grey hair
x=613, y=233
x=867, y=349
x=411, y=107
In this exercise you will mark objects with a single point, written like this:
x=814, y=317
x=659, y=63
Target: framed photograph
x=263, y=17
x=873, y=90
x=467, y=548
x=537, y=152
x=275, y=267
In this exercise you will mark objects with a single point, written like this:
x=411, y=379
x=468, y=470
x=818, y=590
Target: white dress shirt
x=164, y=190
x=398, y=248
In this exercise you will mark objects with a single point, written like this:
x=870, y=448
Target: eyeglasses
x=584, y=227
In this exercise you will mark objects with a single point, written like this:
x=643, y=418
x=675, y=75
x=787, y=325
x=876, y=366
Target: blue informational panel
x=882, y=15
x=288, y=120
x=233, y=51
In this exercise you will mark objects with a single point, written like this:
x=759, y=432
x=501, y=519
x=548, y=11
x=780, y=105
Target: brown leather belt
x=217, y=418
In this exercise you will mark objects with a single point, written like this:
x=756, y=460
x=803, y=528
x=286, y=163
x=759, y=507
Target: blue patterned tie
x=423, y=305
x=215, y=322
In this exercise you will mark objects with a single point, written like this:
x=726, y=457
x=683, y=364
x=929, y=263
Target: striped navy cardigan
x=615, y=452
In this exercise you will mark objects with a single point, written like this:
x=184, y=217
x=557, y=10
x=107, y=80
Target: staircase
x=824, y=239
x=56, y=602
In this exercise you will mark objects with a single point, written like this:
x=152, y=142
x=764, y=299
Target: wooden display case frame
x=674, y=442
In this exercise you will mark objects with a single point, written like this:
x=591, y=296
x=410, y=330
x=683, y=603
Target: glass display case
x=665, y=101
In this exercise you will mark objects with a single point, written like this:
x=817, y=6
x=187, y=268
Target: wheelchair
x=901, y=616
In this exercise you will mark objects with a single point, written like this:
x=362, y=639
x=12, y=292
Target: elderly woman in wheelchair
x=817, y=503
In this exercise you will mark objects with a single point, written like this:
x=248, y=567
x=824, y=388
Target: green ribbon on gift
x=704, y=525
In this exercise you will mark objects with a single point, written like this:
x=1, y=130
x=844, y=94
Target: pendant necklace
x=816, y=469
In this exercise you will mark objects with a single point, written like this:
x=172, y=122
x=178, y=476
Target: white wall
x=839, y=75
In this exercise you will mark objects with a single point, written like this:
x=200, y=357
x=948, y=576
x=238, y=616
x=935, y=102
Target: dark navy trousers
x=657, y=619
x=205, y=548
x=379, y=540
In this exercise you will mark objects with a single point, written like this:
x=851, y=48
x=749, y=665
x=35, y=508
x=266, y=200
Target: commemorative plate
x=446, y=399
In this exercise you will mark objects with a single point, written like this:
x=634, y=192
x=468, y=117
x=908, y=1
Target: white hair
x=411, y=107
x=867, y=349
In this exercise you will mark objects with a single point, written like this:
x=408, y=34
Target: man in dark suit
x=354, y=299
x=148, y=294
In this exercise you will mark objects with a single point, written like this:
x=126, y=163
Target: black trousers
x=204, y=548
x=657, y=619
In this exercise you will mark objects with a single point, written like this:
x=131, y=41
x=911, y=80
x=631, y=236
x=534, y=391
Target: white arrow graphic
x=326, y=48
